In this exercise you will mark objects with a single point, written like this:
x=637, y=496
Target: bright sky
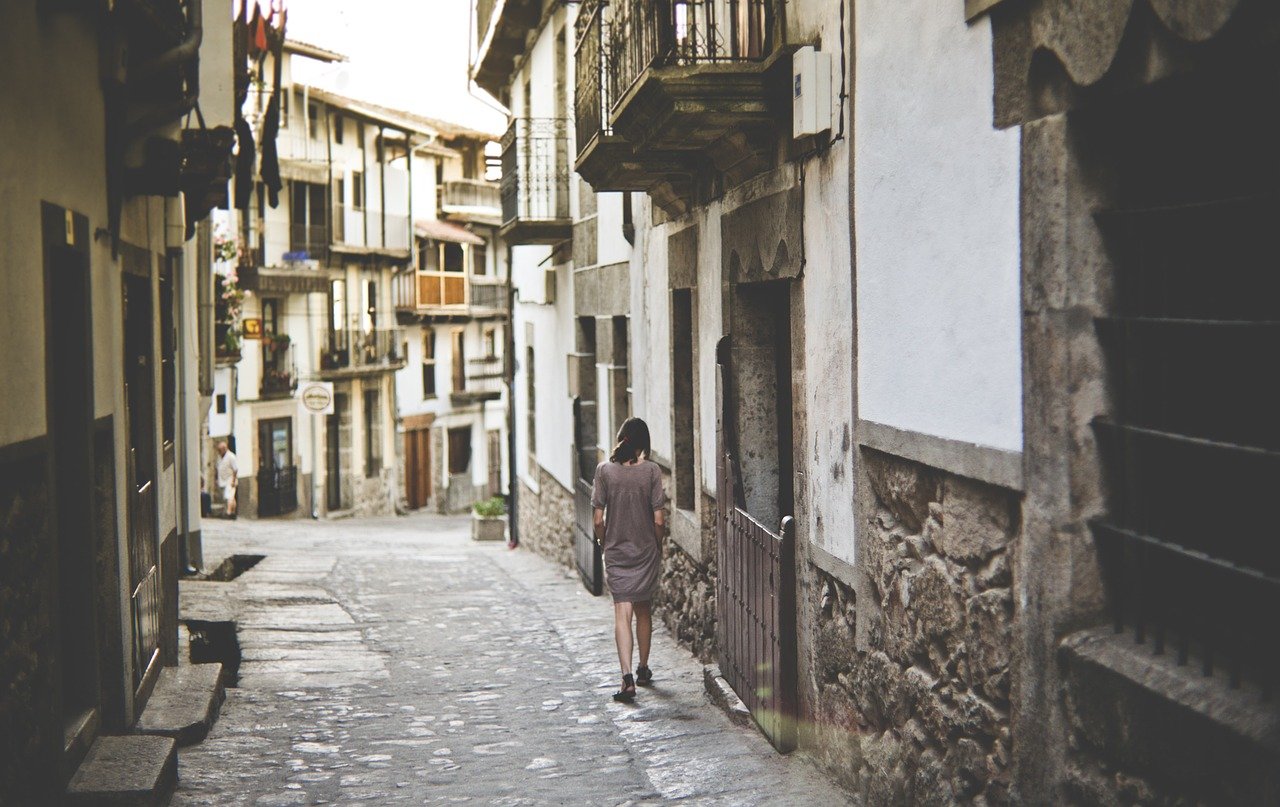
x=407, y=54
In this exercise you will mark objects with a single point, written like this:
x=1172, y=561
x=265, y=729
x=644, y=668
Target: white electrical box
x=810, y=92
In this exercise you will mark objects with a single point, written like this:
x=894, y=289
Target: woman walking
x=628, y=501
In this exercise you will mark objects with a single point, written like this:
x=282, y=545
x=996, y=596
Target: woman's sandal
x=644, y=675
x=628, y=692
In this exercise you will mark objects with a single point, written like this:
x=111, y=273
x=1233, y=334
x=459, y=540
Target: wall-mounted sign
x=251, y=328
x=317, y=397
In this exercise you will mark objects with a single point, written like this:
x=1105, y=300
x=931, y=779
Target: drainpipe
x=513, y=483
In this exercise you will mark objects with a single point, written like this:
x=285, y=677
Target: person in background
x=228, y=476
x=629, y=517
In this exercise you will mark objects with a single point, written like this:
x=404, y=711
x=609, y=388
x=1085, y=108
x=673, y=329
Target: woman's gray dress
x=629, y=495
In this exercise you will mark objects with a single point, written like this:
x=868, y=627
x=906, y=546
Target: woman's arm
x=659, y=526
x=597, y=519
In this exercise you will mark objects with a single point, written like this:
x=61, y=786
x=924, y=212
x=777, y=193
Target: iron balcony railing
x=645, y=33
x=535, y=170
x=489, y=295
x=591, y=90
x=470, y=195
x=279, y=371
x=308, y=241
x=355, y=349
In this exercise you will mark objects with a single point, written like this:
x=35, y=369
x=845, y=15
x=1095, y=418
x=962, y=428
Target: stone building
x=107, y=177
x=323, y=274
x=569, y=250
x=453, y=306
x=955, y=415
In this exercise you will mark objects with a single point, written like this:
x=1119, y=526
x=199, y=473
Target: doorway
x=69, y=392
x=417, y=462
x=277, y=475
x=333, y=453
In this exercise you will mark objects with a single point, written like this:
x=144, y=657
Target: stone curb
x=723, y=696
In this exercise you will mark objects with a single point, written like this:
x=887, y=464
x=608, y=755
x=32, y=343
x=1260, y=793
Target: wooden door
x=417, y=463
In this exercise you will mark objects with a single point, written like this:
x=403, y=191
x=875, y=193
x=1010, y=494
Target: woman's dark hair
x=633, y=441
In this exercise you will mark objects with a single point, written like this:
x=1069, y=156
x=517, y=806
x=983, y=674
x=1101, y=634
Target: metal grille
x=591, y=98
x=535, y=170
x=144, y=579
x=646, y=34
x=1192, y=454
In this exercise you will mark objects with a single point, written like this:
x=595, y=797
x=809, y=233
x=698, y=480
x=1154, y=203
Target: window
x=357, y=189
x=339, y=123
x=459, y=450
x=372, y=433
x=220, y=403
x=682, y=410
x=429, y=364
x=370, y=322
x=308, y=212
x=424, y=256
x=459, y=361
x=452, y=257
x=530, y=404
x=490, y=342
x=313, y=120
x=479, y=260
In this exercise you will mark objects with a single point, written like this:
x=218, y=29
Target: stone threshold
x=184, y=704
x=131, y=771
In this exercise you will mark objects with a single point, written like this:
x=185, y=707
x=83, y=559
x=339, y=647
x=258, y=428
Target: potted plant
x=489, y=520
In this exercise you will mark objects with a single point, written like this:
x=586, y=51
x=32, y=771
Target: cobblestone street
x=395, y=661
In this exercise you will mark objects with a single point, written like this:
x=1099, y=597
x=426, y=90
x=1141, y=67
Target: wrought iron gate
x=144, y=580
x=755, y=595
x=586, y=554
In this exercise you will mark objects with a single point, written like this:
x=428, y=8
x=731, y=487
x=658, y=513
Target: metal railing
x=470, y=194
x=279, y=371
x=591, y=90
x=353, y=349
x=1191, y=449
x=655, y=33
x=535, y=170
x=489, y=295
x=311, y=240
x=144, y=578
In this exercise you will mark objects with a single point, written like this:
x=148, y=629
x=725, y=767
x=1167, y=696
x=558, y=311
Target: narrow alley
x=395, y=661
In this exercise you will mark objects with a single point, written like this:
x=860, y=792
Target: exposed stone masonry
x=686, y=601
x=921, y=715
x=546, y=519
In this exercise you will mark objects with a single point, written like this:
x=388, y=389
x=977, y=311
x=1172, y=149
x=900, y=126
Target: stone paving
x=395, y=661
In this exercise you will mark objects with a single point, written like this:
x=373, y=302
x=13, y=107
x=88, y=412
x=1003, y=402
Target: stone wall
x=918, y=710
x=686, y=601
x=372, y=494
x=546, y=519
x=30, y=743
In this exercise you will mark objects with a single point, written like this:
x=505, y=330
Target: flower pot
x=488, y=528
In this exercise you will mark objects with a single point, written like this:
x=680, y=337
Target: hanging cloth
x=245, y=158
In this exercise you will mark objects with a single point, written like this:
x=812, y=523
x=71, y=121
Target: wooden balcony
x=668, y=91
x=448, y=296
x=483, y=381
x=471, y=199
x=535, y=181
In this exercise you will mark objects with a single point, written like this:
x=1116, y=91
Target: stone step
x=131, y=771
x=184, y=703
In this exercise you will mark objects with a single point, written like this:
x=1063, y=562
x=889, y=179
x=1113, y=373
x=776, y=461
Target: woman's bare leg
x=622, y=634
x=644, y=630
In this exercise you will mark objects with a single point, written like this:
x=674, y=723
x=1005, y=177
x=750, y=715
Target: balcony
x=483, y=381
x=357, y=352
x=500, y=39
x=308, y=242
x=535, y=181
x=279, y=370
x=665, y=89
x=471, y=198
x=448, y=295
x=366, y=230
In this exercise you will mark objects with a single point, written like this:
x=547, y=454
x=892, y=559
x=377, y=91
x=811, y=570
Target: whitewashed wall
x=936, y=224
